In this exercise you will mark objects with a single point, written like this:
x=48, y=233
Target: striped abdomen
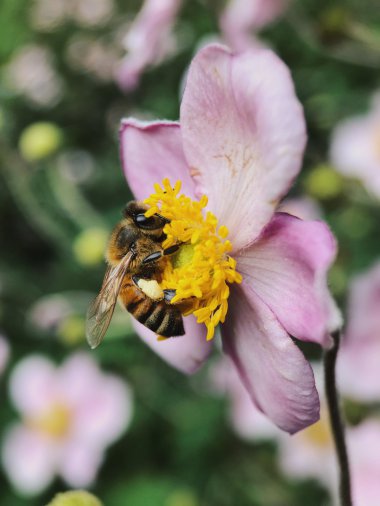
x=158, y=316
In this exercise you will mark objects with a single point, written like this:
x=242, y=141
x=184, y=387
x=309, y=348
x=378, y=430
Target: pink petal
x=243, y=135
x=148, y=40
x=33, y=386
x=361, y=343
x=363, y=449
x=355, y=147
x=104, y=414
x=149, y=153
x=186, y=353
x=277, y=376
x=241, y=17
x=305, y=208
x=286, y=267
x=29, y=459
x=101, y=404
x=247, y=421
x=80, y=463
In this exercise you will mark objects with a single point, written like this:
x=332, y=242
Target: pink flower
x=70, y=415
x=303, y=207
x=355, y=147
x=246, y=420
x=358, y=363
x=363, y=446
x=148, y=41
x=240, y=141
x=241, y=18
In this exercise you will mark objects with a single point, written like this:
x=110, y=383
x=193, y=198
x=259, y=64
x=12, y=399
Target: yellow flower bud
x=89, y=246
x=39, y=141
x=71, y=330
x=75, y=498
x=324, y=183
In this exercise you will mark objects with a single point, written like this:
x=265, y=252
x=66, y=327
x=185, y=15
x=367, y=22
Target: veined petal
x=151, y=152
x=277, y=376
x=287, y=268
x=243, y=135
x=186, y=353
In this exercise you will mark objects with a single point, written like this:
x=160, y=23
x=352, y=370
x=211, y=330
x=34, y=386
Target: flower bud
x=75, y=498
x=89, y=246
x=39, y=141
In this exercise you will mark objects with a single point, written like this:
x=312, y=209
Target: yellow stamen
x=55, y=422
x=202, y=269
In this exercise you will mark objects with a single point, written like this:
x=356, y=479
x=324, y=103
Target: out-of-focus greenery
x=62, y=190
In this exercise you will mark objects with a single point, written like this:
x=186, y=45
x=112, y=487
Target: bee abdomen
x=160, y=318
x=172, y=324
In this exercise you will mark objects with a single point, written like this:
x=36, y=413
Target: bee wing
x=101, y=309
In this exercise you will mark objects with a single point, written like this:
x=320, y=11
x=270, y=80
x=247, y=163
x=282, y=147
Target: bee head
x=151, y=226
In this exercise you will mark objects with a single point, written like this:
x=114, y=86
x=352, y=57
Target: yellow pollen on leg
x=202, y=270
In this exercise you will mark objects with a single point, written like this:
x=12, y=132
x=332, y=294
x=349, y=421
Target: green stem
x=336, y=421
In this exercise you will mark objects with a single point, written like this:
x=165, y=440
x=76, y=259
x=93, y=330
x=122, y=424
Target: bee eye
x=152, y=223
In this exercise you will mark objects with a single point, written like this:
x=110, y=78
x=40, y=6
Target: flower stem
x=336, y=421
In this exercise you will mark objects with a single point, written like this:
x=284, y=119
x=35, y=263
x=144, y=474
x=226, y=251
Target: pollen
x=201, y=270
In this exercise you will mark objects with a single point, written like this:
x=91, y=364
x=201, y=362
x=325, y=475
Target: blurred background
x=69, y=71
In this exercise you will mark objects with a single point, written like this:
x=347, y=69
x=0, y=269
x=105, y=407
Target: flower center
x=201, y=270
x=54, y=422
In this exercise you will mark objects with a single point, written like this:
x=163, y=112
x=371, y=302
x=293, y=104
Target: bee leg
x=152, y=257
x=169, y=294
x=171, y=249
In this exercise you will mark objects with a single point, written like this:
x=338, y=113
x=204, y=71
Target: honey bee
x=135, y=262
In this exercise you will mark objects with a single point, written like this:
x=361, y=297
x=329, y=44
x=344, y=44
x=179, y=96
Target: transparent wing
x=101, y=309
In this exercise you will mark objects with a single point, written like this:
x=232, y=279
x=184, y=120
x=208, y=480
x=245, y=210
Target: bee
x=135, y=259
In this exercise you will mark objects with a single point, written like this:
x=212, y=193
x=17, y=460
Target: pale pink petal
x=277, y=376
x=29, y=459
x=79, y=463
x=186, y=353
x=305, y=456
x=104, y=414
x=241, y=17
x=363, y=449
x=286, y=267
x=247, y=421
x=101, y=404
x=305, y=208
x=148, y=41
x=76, y=376
x=361, y=343
x=149, y=153
x=355, y=148
x=243, y=134
x=33, y=386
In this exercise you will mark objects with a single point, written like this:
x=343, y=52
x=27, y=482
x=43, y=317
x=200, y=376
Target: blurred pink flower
x=355, y=147
x=148, y=41
x=70, y=415
x=246, y=420
x=363, y=446
x=305, y=208
x=358, y=363
x=240, y=141
x=241, y=18
x=310, y=453
x=4, y=353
